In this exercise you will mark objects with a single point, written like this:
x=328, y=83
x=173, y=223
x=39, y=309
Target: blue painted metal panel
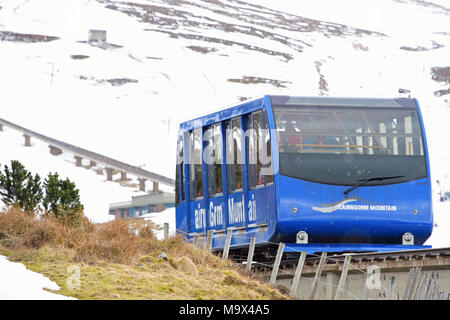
x=371, y=214
x=425, y=148
x=256, y=206
x=271, y=201
x=236, y=210
x=197, y=216
x=181, y=220
x=216, y=213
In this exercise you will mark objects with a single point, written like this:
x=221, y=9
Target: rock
x=186, y=265
x=164, y=256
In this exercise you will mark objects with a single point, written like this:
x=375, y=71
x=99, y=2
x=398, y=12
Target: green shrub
x=61, y=197
x=19, y=188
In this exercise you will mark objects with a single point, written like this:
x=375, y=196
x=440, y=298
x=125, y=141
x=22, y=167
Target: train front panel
x=351, y=170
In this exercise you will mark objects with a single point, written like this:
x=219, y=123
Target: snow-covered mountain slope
x=165, y=61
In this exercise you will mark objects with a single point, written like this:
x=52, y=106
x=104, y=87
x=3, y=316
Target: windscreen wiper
x=364, y=181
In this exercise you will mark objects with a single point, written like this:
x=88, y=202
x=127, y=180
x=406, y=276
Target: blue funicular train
x=317, y=173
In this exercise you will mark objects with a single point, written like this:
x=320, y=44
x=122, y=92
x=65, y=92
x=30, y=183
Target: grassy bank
x=122, y=260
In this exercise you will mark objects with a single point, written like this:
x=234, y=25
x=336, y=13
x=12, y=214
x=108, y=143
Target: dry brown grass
x=18, y=228
x=119, y=241
x=49, y=245
x=115, y=241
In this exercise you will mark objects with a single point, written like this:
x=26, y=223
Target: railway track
x=393, y=275
x=380, y=256
x=420, y=254
x=409, y=257
x=90, y=155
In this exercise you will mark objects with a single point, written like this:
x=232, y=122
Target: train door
x=213, y=158
x=267, y=165
x=235, y=173
x=180, y=192
x=197, y=204
x=256, y=211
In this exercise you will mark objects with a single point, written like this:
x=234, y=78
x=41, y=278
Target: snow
x=19, y=283
x=411, y=22
x=159, y=218
x=45, y=90
x=137, y=122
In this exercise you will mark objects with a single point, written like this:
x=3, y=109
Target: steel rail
x=376, y=256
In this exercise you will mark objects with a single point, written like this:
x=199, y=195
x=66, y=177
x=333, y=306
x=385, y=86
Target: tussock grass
x=123, y=259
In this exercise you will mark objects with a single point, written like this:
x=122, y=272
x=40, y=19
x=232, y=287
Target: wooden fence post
x=208, y=244
x=419, y=284
x=195, y=242
x=392, y=288
x=408, y=285
x=251, y=251
x=411, y=283
x=343, y=279
x=426, y=287
x=166, y=231
x=276, y=265
x=323, y=258
x=298, y=273
x=226, y=248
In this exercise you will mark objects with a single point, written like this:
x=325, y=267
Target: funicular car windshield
x=342, y=145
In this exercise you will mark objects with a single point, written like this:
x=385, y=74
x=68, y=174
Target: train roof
x=256, y=103
x=344, y=101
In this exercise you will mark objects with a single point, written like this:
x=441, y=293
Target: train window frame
x=180, y=177
x=208, y=138
x=254, y=139
x=260, y=180
x=267, y=145
x=387, y=128
x=183, y=173
x=249, y=146
x=213, y=137
x=234, y=154
x=218, y=159
x=177, y=185
x=196, y=184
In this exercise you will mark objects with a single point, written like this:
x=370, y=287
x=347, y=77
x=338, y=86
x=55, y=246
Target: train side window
x=196, y=183
x=209, y=159
x=254, y=149
x=267, y=151
x=251, y=150
x=229, y=155
x=177, y=185
x=257, y=126
x=234, y=154
x=237, y=146
x=183, y=181
x=218, y=157
x=191, y=167
x=213, y=136
x=179, y=174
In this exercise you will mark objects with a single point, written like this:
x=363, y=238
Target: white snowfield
x=159, y=218
x=19, y=283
